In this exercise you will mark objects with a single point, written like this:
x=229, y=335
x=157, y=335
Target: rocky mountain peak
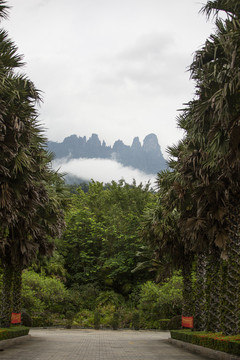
x=94, y=140
x=150, y=144
x=136, y=145
x=147, y=157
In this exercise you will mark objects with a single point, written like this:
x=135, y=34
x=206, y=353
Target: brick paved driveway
x=64, y=344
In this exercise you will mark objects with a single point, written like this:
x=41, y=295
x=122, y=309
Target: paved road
x=64, y=344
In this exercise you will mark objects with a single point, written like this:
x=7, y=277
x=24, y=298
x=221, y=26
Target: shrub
x=31, y=302
x=115, y=321
x=13, y=332
x=41, y=293
x=107, y=312
x=160, y=301
x=110, y=298
x=26, y=319
x=85, y=295
x=97, y=319
x=228, y=344
x=136, y=320
x=84, y=318
x=160, y=324
x=125, y=317
x=175, y=323
x=47, y=300
x=38, y=321
x=163, y=324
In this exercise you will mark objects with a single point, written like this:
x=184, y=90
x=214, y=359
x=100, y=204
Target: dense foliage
x=94, y=275
x=200, y=193
x=49, y=302
x=102, y=239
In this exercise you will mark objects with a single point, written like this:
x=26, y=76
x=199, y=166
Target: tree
x=216, y=115
x=207, y=160
x=28, y=211
x=101, y=240
x=161, y=227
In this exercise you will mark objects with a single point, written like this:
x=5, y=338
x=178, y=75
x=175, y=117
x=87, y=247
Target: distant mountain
x=147, y=157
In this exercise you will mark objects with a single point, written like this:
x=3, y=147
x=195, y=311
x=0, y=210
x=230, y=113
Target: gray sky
x=112, y=67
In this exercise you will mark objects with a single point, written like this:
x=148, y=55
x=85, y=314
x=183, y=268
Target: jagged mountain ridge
x=147, y=157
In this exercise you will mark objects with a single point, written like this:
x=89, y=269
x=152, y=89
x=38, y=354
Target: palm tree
x=216, y=67
x=161, y=227
x=30, y=205
x=40, y=221
x=199, y=214
x=211, y=162
x=191, y=191
x=29, y=239
x=19, y=189
x=204, y=184
x=11, y=129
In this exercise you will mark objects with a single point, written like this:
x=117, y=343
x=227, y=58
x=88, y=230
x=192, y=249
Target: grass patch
x=13, y=332
x=215, y=341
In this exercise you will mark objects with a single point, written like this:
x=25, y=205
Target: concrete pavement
x=62, y=344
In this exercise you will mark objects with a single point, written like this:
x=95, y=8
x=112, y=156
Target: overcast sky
x=112, y=67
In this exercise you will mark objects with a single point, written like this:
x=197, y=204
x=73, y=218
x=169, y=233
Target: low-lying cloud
x=103, y=170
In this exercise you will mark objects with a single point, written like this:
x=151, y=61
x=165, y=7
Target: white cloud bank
x=103, y=170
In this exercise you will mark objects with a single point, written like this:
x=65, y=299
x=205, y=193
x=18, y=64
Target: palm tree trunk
x=231, y=325
x=6, y=308
x=188, y=302
x=214, y=282
x=17, y=290
x=223, y=272
x=200, y=316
